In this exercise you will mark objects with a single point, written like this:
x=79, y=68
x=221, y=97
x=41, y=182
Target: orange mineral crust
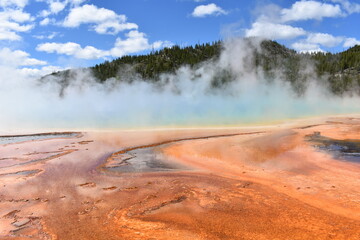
x=299, y=180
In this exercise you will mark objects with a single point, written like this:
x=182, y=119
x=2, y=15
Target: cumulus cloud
x=208, y=10
x=134, y=42
x=276, y=23
x=104, y=21
x=75, y=2
x=45, y=22
x=71, y=49
x=14, y=21
x=13, y=3
x=324, y=39
x=350, y=42
x=17, y=58
x=314, y=41
x=306, y=10
x=21, y=64
x=38, y=72
x=306, y=47
x=56, y=6
x=48, y=36
x=348, y=6
x=15, y=15
x=274, y=31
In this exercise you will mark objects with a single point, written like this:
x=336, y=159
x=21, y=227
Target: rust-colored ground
x=249, y=183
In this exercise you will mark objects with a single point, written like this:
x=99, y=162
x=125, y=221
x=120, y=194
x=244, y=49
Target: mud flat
x=290, y=181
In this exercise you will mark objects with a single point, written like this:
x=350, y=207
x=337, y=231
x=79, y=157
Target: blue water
x=345, y=150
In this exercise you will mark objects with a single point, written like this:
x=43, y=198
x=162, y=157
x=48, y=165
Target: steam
x=190, y=97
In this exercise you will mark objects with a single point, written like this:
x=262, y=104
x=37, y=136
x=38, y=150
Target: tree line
x=339, y=72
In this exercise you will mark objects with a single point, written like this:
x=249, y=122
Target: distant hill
x=343, y=70
x=339, y=72
x=167, y=60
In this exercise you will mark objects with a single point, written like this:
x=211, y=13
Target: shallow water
x=346, y=150
x=143, y=160
x=34, y=137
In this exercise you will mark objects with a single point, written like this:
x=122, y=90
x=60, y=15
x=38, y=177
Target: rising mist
x=190, y=97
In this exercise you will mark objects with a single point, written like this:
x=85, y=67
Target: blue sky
x=40, y=36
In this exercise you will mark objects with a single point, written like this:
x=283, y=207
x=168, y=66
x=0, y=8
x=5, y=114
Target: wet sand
x=275, y=182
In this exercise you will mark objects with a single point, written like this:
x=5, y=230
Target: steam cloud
x=186, y=98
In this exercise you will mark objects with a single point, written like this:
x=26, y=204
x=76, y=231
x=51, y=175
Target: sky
x=41, y=36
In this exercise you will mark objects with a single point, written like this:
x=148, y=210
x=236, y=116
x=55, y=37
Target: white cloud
x=104, y=21
x=306, y=47
x=49, y=36
x=268, y=13
x=7, y=35
x=207, y=10
x=21, y=62
x=274, y=23
x=306, y=10
x=56, y=6
x=114, y=27
x=324, y=39
x=314, y=40
x=17, y=58
x=72, y=49
x=13, y=3
x=75, y=2
x=39, y=72
x=348, y=6
x=274, y=31
x=15, y=15
x=45, y=22
x=11, y=22
x=350, y=42
x=135, y=42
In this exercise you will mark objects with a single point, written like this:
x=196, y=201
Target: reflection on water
x=34, y=137
x=143, y=160
x=347, y=150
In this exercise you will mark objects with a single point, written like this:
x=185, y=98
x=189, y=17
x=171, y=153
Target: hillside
x=339, y=72
x=342, y=69
x=166, y=60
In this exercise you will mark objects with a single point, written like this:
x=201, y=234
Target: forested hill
x=340, y=72
x=167, y=60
